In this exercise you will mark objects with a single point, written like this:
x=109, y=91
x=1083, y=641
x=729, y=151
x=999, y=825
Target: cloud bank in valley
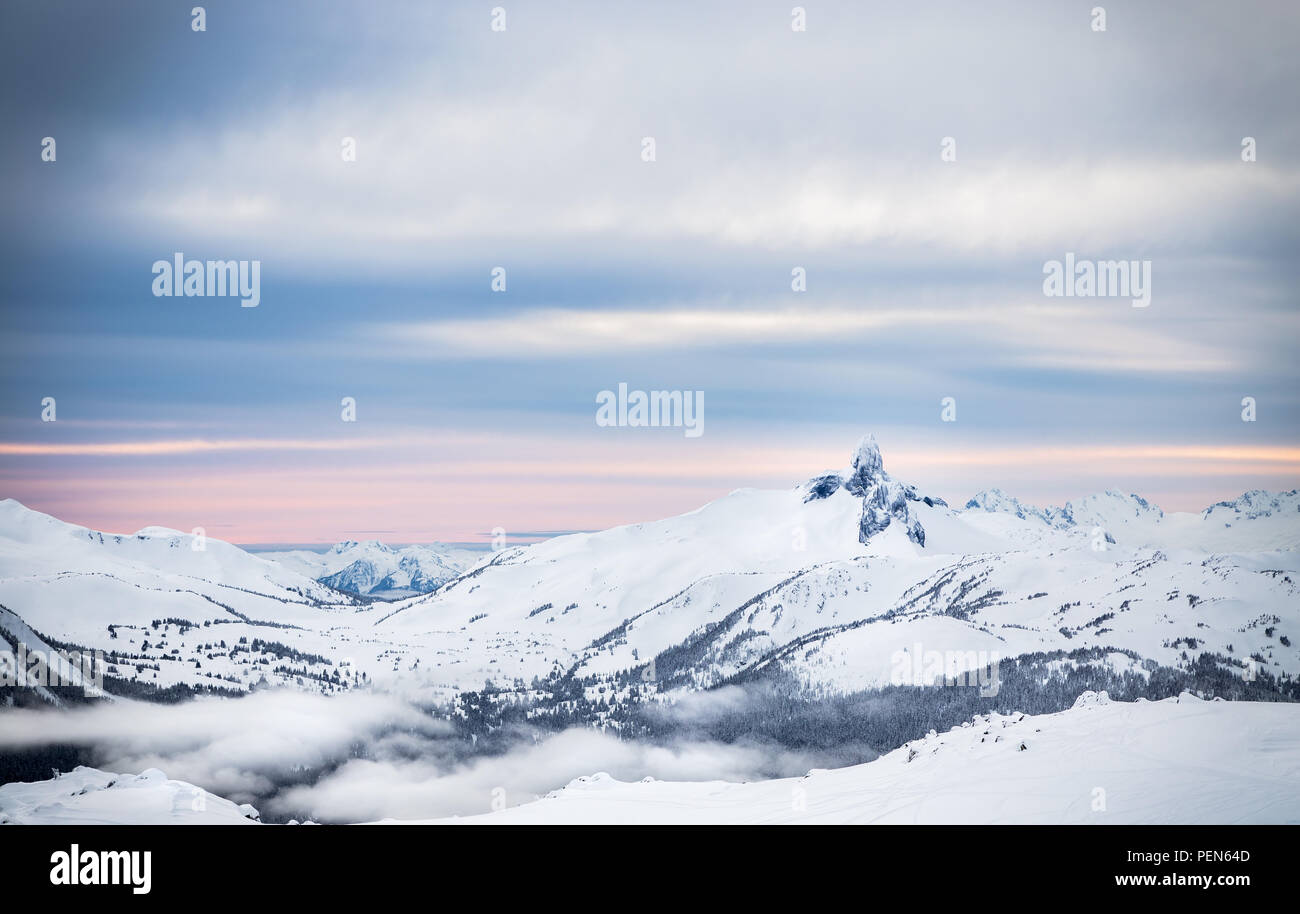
x=364, y=756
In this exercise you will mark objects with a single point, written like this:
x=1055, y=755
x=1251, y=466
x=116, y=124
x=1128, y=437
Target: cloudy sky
x=522, y=149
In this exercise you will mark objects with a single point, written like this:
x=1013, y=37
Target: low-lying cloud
x=367, y=756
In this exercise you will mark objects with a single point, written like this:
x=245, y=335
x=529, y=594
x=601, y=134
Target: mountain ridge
x=823, y=583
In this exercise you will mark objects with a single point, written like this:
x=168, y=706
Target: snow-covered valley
x=1100, y=762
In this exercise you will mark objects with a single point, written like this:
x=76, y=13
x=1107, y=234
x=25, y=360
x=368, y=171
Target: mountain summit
x=884, y=499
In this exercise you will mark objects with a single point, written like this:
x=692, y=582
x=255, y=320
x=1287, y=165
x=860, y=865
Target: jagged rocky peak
x=885, y=500
x=868, y=465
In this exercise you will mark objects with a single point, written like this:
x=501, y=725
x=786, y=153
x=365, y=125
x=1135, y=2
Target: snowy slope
x=106, y=591
x=64, y=578
x=1177, y=761
x=88, y=796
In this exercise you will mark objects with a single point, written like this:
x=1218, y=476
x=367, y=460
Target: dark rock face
x=823, y=487
x=868, y=467
x=885, y=500
x=359, y=577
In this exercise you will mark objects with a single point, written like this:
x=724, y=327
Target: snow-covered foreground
x=1177, y=761
x=87, y=796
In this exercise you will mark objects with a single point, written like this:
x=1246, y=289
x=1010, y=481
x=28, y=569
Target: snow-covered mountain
x=826, y=582
x=1271, y=519
x=1254, y=505
x=72, y=582
x=378, y=570
x=1110, y=511
x=1180, y=760
x=824, y=585
x=167, y=608
x=885, y=500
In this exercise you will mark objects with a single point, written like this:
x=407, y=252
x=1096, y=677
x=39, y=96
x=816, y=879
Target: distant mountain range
x=377, y=570
x=821, y=585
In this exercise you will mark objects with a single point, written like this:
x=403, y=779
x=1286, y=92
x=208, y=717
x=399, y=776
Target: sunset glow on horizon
x=388, y=307
x=281, y=492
